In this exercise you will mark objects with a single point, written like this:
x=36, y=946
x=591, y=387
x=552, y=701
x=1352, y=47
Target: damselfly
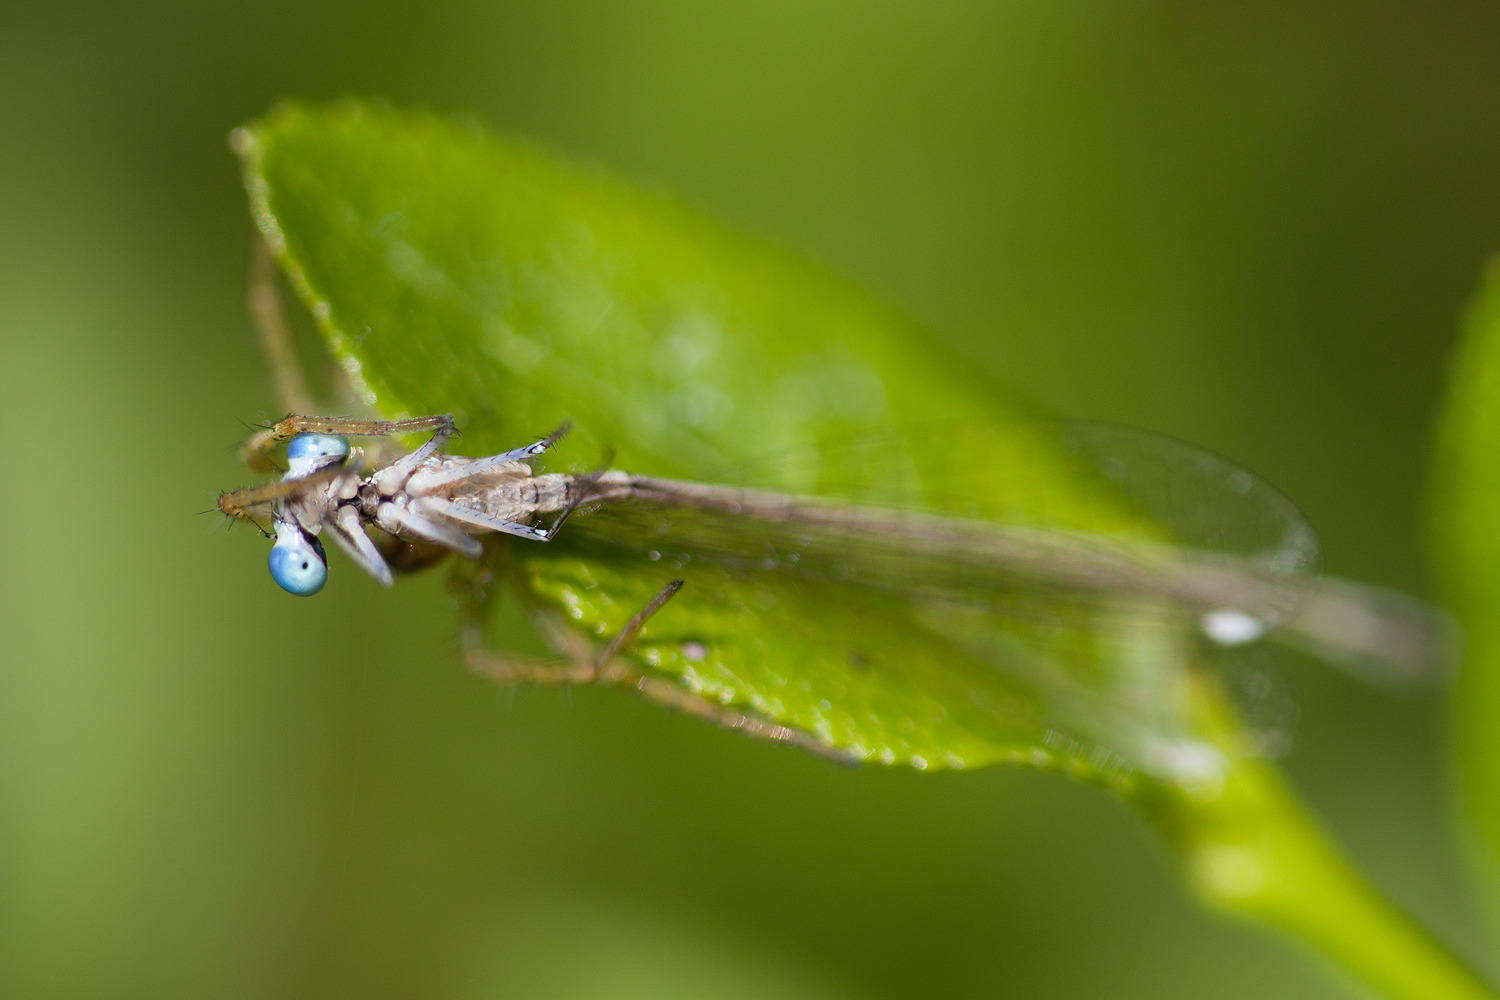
x=1202, y=546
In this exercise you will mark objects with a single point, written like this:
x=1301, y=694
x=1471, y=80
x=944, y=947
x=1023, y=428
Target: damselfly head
x=297, y=562
x=307, y=453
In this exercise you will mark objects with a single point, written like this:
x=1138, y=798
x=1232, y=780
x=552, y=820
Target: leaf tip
x=243, y=142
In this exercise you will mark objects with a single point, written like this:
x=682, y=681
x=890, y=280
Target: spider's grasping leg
x=431, y=482
x=478, y=518
x=399, y=521
x=348, y=532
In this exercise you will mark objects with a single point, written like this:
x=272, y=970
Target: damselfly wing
x=1102, y=602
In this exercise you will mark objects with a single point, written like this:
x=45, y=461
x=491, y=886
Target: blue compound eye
x=308, y=453
x=297, y=563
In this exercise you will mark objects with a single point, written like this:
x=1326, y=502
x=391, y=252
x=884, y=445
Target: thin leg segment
x=238, y=503
x=608, y=669
x=266, y=315
x=468, y=515
x=534, y=450
x=348, y=533
x=433, y=482
x=255, y=450
x=670, y=695
x=398, y=522
x=633, y=627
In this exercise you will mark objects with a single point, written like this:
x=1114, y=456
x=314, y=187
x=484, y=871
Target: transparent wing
x=1076, y=559
x=1089, y=477
x=1075, y=508
x=1207, y=502
x=1084, y=561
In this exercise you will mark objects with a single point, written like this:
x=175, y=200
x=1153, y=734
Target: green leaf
x=1466, y=543
x=454, y=272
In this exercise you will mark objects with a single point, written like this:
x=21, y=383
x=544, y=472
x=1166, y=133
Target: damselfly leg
x=256, y=451
x=608, y=667
x=242, y=504
x=263, y=300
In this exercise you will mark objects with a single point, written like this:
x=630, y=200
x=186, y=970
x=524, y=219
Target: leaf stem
x=1250, y=848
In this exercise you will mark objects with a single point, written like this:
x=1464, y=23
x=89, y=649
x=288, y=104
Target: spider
x=424, y=497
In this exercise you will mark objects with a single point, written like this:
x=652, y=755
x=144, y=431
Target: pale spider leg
x=266, y=315
x=398, y=521
x=237, y=503
x=468, y=515
x=254, y=450
x=431, y=482
x=606, y=668
x=390, y=480
x=348, y=532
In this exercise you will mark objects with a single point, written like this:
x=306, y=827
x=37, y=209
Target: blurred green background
x=1253, y=229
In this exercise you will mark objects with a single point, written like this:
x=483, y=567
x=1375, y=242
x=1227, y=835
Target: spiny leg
x=431, y=482
x=400, y=522
x=238, y=503
x=256, y=449
x=478, y=518
x=348, y=532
